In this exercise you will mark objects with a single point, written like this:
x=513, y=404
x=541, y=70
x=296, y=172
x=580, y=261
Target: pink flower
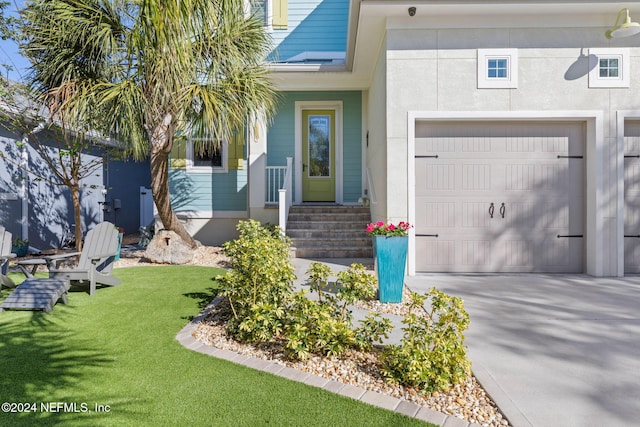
x=381, y=229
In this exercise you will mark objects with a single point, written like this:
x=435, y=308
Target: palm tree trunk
x=160, y=191
x=77, y=215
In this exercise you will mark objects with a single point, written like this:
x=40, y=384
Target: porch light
x=625, y=29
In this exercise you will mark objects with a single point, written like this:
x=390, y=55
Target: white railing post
x=285, y=199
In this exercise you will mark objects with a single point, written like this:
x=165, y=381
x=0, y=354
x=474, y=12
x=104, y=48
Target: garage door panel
x=432, y=176
x=476, y=214
x=439, y=253
x=632, y=255
x=476, y=253
x=548, y=216
x=435, y=214
x=533, y=176
x=631, y=203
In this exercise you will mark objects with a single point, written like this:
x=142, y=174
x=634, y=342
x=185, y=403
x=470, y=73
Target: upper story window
x=497, y=68
x=207, y=157
x=259, y=9
x=274, y=13
x=609, y=68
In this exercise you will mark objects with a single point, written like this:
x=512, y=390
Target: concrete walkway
x=553, y=350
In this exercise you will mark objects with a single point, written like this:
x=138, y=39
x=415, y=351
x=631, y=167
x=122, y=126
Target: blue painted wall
x=191, y=192
x=314, y=26
x=50, y=206
x=281, y=143
x=123, y=180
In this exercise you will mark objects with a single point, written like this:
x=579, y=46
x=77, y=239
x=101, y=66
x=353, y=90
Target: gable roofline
x=39, y=117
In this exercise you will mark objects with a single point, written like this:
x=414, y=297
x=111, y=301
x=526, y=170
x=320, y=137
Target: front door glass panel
x=319, y=146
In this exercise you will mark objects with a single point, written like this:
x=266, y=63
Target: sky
x=9, y=50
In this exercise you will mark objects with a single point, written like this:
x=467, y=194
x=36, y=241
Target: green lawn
x=118, y=348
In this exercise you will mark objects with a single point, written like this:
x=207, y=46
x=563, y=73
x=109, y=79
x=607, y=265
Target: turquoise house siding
x=313, y=26
x=281, y=134
x=207, y=192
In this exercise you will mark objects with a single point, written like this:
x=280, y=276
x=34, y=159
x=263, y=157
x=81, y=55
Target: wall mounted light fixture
x=412, y=11
x=623, y=29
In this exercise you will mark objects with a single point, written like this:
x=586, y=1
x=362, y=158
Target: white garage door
x=632, y=197
x=496, y=197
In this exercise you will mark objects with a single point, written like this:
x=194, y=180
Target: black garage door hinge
x=637, y=236
x=637, y=156
x=571, y=157
x=569, y=235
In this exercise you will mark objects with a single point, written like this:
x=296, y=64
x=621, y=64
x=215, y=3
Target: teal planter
x=117, y=257
x=21, y=250
x=391, y=258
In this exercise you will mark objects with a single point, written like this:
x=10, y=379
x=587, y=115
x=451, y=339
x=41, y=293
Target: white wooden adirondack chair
x=96, y=259
x=5, y=256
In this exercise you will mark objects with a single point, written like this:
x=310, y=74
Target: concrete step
x=329, y=231
x=307, y=233
x=328, y=209
x=326, y=225
x=325, y=252
x=363, y=217
x=338, y=242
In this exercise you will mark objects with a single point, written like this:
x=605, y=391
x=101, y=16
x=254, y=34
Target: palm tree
x=152, y=71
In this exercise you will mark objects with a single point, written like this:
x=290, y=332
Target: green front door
x=318, y=156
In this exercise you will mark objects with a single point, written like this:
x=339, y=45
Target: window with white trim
x=206, y=156
x=497, y=68
x=273, y=13
x=609, y=68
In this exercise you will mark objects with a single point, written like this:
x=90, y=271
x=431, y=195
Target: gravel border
x=187, y=339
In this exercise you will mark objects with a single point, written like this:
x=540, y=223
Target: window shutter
x=178, y=159
x=280, y=18
x=236, y=150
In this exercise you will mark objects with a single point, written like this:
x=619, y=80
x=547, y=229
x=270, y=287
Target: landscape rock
x=167, y=247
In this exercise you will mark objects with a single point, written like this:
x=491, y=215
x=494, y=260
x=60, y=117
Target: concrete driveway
x=553, y=350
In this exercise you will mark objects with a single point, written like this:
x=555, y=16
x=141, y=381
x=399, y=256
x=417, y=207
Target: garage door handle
x=491, y=208
x=503, y=209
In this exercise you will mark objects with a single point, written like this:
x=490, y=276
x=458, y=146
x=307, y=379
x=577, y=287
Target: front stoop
x=329, y=231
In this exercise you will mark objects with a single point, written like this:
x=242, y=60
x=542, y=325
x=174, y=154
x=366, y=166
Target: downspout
x=248, y=137
x=24, y=188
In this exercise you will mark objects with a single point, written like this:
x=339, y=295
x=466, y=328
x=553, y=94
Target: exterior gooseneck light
x=624, y=29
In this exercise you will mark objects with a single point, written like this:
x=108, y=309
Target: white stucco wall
x=436, y=71
x=376, y=151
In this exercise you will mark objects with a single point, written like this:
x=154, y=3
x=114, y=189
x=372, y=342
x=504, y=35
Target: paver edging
x=185, y=337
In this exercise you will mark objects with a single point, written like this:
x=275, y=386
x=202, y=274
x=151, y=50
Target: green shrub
x=324, y=326
x=318, y=276
x=260, y=284
x=432, y=355
x=314, y=328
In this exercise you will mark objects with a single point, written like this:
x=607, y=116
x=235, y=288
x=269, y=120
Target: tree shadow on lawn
x=47, y=372
x=204, y=297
